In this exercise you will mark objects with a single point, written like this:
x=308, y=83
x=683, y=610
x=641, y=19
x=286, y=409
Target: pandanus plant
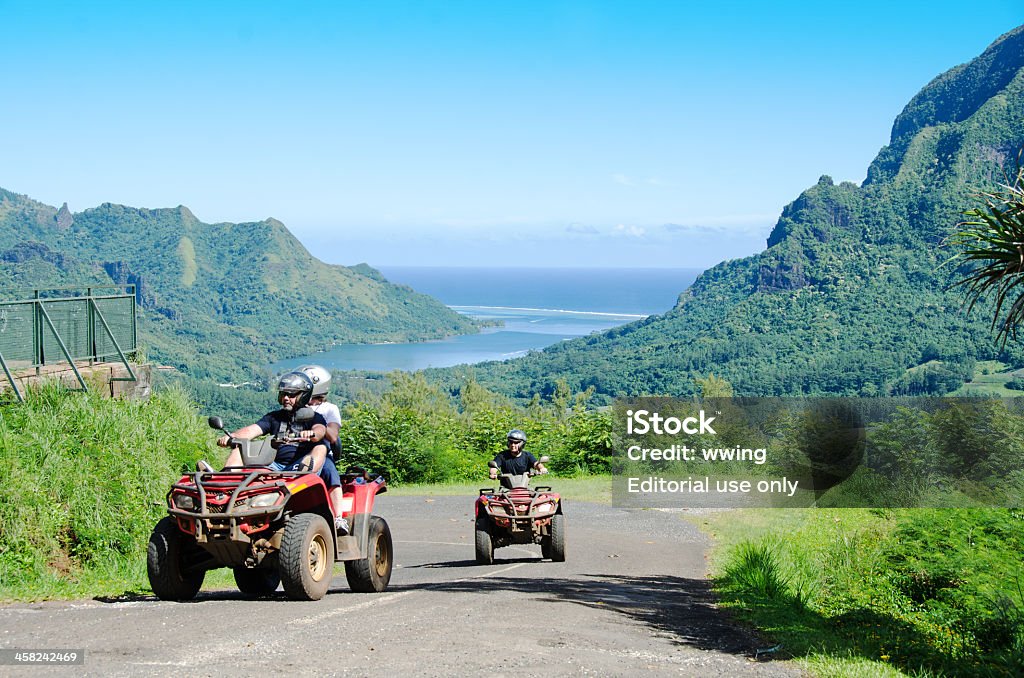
x=991, y=242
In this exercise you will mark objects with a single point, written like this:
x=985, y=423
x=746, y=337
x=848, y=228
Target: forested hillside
x=850, y=297
x=217, y=300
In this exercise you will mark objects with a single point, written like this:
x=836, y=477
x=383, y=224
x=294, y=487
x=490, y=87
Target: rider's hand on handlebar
x=223, y=441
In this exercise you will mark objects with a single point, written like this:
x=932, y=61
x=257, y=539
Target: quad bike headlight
x=264, y=500
x=545, y=508
x=184, y=502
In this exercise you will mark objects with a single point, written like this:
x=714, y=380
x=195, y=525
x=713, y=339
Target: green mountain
x=850, y=295
x=216, y=300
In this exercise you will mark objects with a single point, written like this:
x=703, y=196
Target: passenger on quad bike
x=321, y=379
x=515, y=461
x=294, y=391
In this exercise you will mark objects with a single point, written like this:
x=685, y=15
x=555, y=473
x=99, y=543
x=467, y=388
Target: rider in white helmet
x=321, y=379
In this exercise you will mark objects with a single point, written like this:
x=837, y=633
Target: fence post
x=91, y=327
x=37, y=335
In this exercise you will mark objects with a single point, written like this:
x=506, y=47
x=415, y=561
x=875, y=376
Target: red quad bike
x=516, y=514
x=269, y=527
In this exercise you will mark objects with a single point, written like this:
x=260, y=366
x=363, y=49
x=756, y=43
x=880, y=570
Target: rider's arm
x=332, y=417
x=315, y=434
x=537, y=466
x=245, y=433
x=317, y=429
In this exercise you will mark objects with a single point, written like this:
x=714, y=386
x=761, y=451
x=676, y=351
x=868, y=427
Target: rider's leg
x=234, y=458
x=329, y=474
x=319, y=456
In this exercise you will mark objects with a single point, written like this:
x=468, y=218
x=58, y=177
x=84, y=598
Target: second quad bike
x=517, y=514
x=269, y=527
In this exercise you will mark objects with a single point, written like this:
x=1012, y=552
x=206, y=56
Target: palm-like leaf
x=992, y=242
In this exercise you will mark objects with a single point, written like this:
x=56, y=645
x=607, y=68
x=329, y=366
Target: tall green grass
x=908, y=592
x=82, y=481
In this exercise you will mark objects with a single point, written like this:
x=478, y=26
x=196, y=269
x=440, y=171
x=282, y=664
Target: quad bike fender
x=358, y=498
x=309, y=495
x=357, y=507
x=308, y=492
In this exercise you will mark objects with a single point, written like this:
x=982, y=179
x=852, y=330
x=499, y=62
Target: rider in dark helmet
x=293, y=393
x=515, y=460
x=298, y=386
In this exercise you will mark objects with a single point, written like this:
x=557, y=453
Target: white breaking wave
x=554, y=310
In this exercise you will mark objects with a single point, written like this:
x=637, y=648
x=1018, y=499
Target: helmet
x=320, y=377
x=516, y=434
x=295, y=383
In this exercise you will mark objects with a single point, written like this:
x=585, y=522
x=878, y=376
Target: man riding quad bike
x=515, y=514
x=269, y=517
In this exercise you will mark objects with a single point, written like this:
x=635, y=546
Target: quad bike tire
x=372, y=573
x=484, y=542
x=556, y=550
x=168, y=556
x=306, y=558
x=257, y=582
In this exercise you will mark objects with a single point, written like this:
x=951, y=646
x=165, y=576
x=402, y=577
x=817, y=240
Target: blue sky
x=476, y=133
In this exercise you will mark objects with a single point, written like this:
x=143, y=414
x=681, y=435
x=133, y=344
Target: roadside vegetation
x=415, y=432
x=82, y=482
x=848, y=592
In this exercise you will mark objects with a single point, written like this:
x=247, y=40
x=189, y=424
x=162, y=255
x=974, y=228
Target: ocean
x=538, y=307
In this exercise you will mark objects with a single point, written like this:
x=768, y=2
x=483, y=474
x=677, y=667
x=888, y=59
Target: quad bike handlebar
x=261, y=451
x=529, y=473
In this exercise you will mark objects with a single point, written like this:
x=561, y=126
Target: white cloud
x=631, y=230
x=623, y=180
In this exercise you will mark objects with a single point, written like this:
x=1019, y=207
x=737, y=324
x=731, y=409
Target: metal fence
x=67, y=325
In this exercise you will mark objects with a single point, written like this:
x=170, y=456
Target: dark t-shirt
x=280, y=421
x=516, y=466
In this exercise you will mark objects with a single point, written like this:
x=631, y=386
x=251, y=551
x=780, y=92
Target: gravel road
x=631, y=597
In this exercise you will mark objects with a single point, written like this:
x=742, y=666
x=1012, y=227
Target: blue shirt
x=282, y=422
